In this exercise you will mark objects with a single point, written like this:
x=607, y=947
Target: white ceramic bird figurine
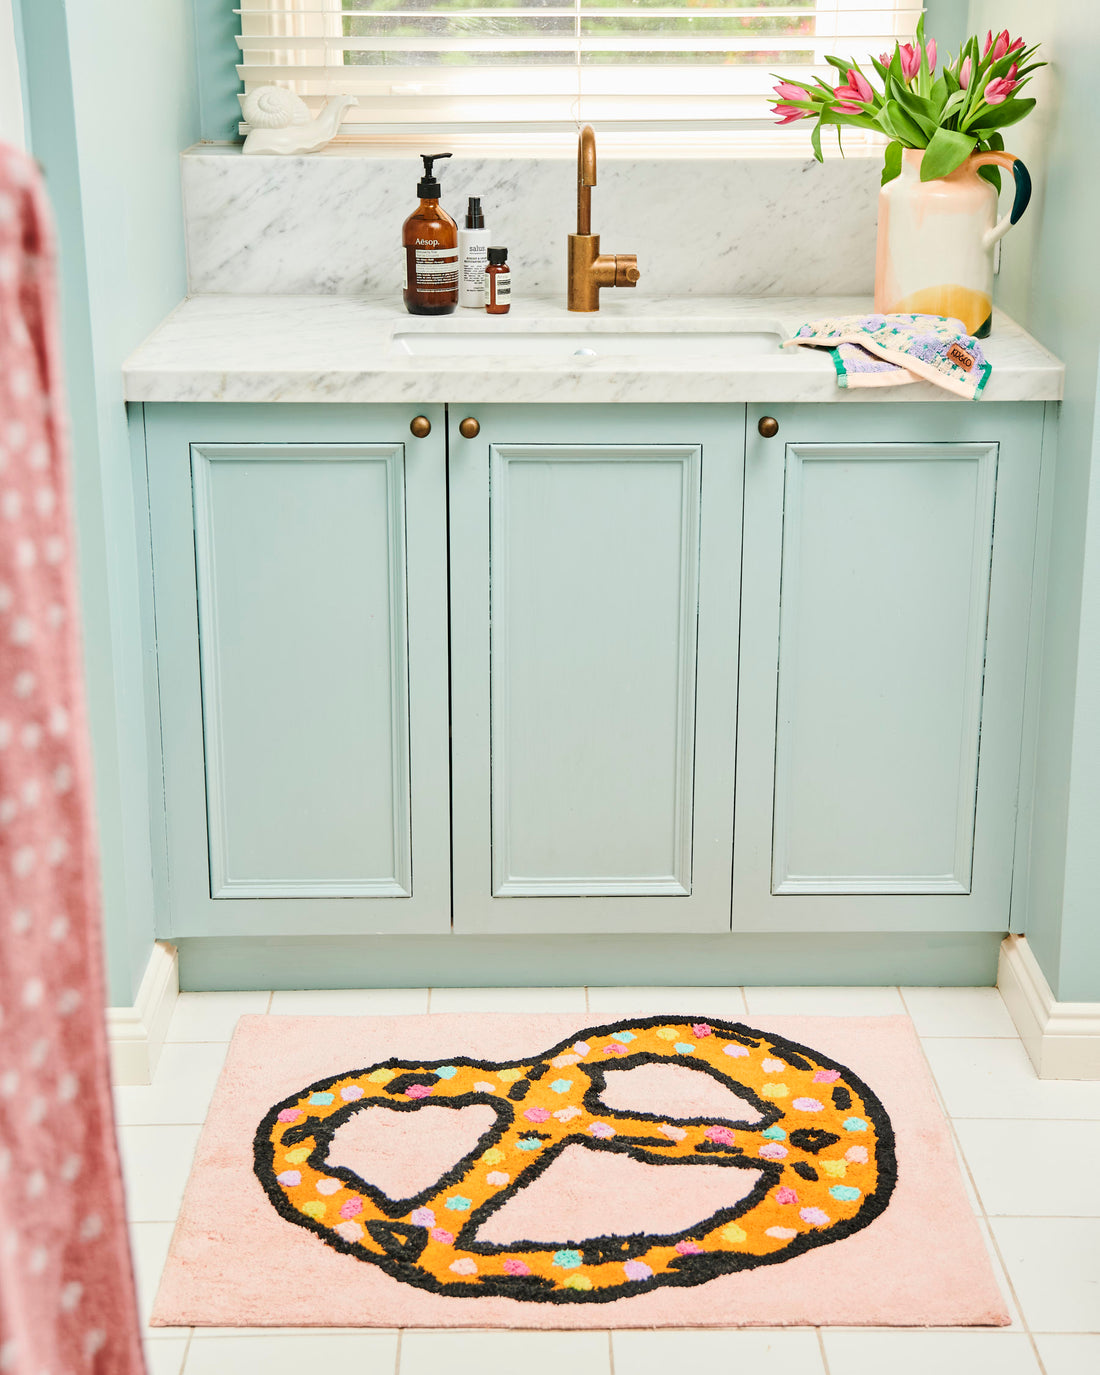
x=280, y=121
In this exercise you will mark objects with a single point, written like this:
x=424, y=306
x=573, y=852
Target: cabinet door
x=887, y=568
x=300, y=591
x=594, y=580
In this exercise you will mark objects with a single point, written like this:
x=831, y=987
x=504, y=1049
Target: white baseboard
x=136, y=1034
x=1063, y=1039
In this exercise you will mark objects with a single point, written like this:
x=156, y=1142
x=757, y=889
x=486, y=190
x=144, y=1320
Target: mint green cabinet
x=300, y=588
x=884, y=632
x=595, y=557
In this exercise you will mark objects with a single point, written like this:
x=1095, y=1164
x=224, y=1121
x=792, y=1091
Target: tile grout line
x=428, y=1004
x=397, y=1352
x=610, y=1350
x=985, y=1218
x=186, y=1351
x=821, y=1349
x=270, y=1000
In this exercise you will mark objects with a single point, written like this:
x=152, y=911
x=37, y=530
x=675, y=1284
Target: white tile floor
x=1030, y=1152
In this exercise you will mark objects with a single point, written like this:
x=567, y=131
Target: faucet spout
x=589, y=269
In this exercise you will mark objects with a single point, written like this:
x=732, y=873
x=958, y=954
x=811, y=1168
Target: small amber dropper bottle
x=498, y=282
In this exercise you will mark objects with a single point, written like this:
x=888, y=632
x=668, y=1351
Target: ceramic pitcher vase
x=936, y=239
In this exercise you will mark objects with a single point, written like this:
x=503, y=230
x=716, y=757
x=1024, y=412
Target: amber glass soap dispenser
x=430, y=245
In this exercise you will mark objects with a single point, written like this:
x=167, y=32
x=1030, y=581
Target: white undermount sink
x=670, y=344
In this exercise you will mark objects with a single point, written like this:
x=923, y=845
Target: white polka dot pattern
x=68, y=1300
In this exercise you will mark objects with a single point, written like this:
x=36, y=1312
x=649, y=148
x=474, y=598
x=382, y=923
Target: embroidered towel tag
x=959, y=355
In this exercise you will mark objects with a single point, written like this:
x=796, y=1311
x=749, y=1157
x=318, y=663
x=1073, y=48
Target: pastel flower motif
x=509, y=1076
x=775, y=1091
x=381, y=1076
x=830, y=1076
x=562, y=1085
x=290, y=1114
x=537, y=1115
x=350, y=1231
x=683, y=1048
x=700, y=1030
x=493, y=1156
x=637, y=1270
x=528, y=1143
x=772, y=1150
x=578, y=1282
x=566, y=1260
x=457, y=1204
x=313, y=1209
x=483, y=1086
x=441, y=1235
x=567, y=1114
x=737, y=1052
x=844, y=1193
x=855, y=1124
x=772, y=1066
x=856, y=1155
x=835, y=1169
x=724, y=1136
x=351, y=1093
x=781, y=1233
x=352, y=1207
x=422, y=1217
x=689, y=1248
x=601, y=1129
x=814, y=1216
x=465, y=1266
x=614, y=1049
x=418, y=1091
x=497, y=1178
x=624, y=1036
x=858, y=91
x=328, y=1186
x=774, y=1134
x=581, y=1047
x=447, y=1071
x=563, y=1061
x=673, y=1133
x=516, y=1267
x=785, y=1195
x=807, y=1105
x=289, y=1178
x=733, y=1234
x=666, y=1033
x=321, y=1099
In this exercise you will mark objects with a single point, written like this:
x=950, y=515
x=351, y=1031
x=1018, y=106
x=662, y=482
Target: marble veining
x=341, y=348
x=331, y=225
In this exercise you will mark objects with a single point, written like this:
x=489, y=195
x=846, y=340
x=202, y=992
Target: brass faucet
x=589, y=269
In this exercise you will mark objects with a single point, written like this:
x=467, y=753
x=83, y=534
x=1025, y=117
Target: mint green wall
x=945, y=21
x=112, y=99
x=216, y=56
x=1049, y=280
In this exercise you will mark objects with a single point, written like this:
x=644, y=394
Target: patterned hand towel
x=891, y=350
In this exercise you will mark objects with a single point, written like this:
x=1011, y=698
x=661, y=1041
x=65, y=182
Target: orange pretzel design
x=823, y=1149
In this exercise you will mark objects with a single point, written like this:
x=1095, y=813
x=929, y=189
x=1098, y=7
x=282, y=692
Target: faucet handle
x=626, y=269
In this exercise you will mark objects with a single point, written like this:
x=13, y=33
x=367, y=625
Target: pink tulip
x=789, y=91
x=884, y=59
x=910, y=60
x=931, y=54
x=1018, y=43
x=996, y=92
x=790, y=113
x=858, y=88
x=964, y=73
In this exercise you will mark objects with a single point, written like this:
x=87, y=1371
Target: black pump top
x=497, y=256
x=474, y=218
x=427, y=188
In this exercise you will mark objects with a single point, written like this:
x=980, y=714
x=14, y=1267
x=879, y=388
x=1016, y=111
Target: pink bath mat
x=486, y=1170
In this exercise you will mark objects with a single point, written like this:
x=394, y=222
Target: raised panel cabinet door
x=594, y=572
x=300, y=599
x=888, y=564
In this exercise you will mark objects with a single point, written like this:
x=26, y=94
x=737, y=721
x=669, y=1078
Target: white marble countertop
x=341, y=348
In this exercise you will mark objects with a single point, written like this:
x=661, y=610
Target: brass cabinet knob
x=421, y=427
x=768, y=426
x=469, y=428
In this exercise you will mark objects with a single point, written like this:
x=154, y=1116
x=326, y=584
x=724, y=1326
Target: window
x=531, y=65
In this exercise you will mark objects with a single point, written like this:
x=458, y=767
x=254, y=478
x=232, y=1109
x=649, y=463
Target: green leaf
x=842, y=64
x=891, y=166
x=953, y=103
x=882, y=71
x=1000, y=116
x=994, y=143
x=944, y=153
x=938, y=98
x=991, y=175
x=815, y=140
x=903, y=128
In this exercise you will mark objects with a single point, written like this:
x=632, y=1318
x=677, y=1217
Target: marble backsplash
x=331, y=224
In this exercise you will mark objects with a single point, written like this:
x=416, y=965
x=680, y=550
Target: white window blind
x=526, y=64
